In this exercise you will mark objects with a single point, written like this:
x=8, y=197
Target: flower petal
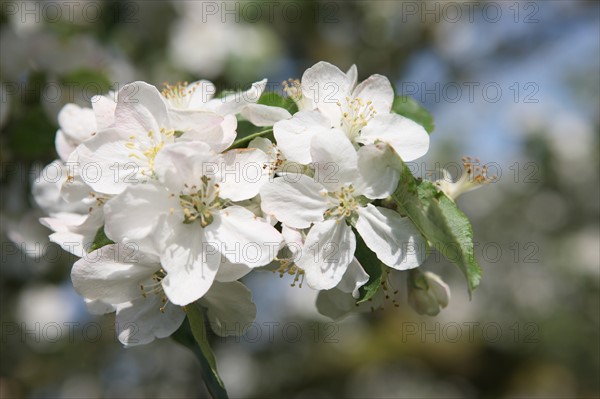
x=264, y=115
x=242, y=237
x=77, y=123
x=132, y=215
x=378, y=90
x=294, y=135
x=407, y=138
x=191, y=264
x=394, y=239
x=379, y=171
x=328, y=250
x=326, y=85
x=141, y=321
x=230, y=308
x=141, y=109
x=112, y=274
x=354, y=278
x=229, y=272
x=242, y=173
x=296, y=200
x=334, y=159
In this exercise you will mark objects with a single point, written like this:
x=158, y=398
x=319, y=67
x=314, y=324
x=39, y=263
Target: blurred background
x=515, y=83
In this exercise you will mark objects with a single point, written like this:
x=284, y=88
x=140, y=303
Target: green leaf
x=275, y=100
x=87, y=78
x=195, y=316
x=408, y=107
x=245, y=140
x=100, y=240
x=440, y=221
x=372, y=266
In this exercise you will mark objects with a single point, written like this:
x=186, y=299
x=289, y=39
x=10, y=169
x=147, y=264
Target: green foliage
x=195, y=317
x=275, y=100
x=372, y=266
x=408, y=107
x=440, y=221
x=89, y=78
x=100, y=240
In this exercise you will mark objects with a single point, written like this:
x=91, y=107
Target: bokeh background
x=515, y=83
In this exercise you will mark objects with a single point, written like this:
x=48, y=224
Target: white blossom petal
x=354, y=278
x=296, y=200
x=328, y=250
x=229, y=308
x=294, y=135
x=393, y=238
x=242, y=237
x=141, y=321
x=334, y=159
x=242, y=173
x=112, y=273
x=378, y=90
x=379, y=169
x=326, y=85
x=191, y=263
x=264, y=115
x=407, y=138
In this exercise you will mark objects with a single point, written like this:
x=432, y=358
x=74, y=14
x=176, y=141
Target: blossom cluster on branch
x=169, y=202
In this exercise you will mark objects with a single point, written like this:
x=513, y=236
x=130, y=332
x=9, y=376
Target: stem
x=245, y=140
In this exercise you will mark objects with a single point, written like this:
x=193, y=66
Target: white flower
x=77, y=124
x=125, y=152
x=199, y=95
x=335, y=198
x=473, y=178
x=130, y=282
x=427, y=293
x=362, y=112
x=189, y=216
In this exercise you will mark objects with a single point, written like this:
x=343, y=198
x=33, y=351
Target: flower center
x=201, y=202
x=179, y=94
x=147, y=148
x=347, y=203
x=154, y=287
x=355, y=115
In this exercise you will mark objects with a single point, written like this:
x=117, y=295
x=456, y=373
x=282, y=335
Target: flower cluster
x=168, y=204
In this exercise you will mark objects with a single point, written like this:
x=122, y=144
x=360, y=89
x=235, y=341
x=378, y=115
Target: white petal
x=379, y=170
x=440, y=289
x=140, y=109
x=182, y=163
x=294, y=135
x=191, y=264
x=293, y=239
x=242, y=237
x=352, y=75
x=75, y=233
x=378, y=90
x=336, y=304
x=354, y=278
x=407, y=138
x=296, y=201
x=328, y=250
x=104, y=110
x=242, y=173
x=230, y=308
x=234, y=103
x=219, y=136
x=105, y=163
x=77, y=123
x=326, y=85
x=98, y=307
x=132, y=215
x=63, y=147
x=202, y=91
x=334, y=159
x=229, y=272
x=394, y=239
x=264, y=115
x=141, y=321
x=112, y=274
